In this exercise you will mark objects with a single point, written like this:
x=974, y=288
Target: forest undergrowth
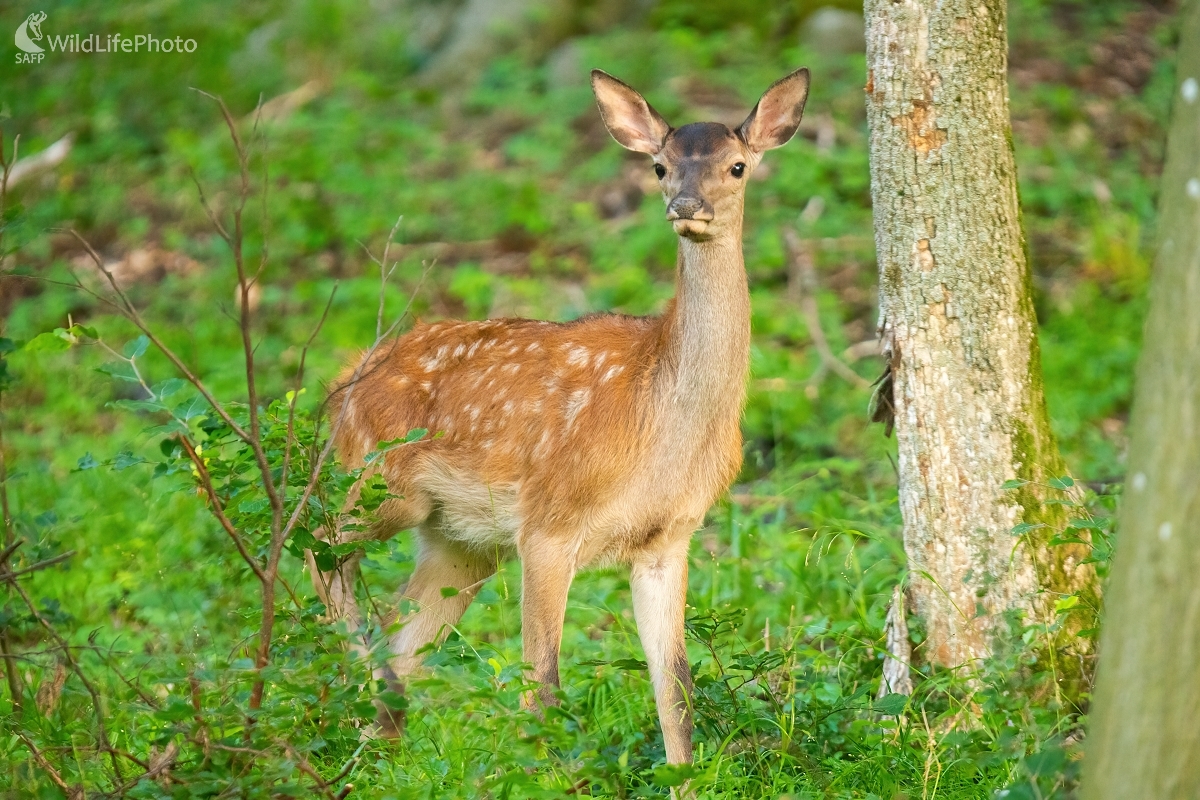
x=159, y=629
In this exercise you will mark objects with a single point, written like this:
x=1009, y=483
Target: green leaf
x=136, y=347
x=891, y=705
x=121, y=371
x=137, y=405
x=673, y=774
x=1089, y=524
x=326, y=560
x=415, y=434
x=630, y=664
x=1066, y=603
x=126, y=459
x=1065, y=482
x=50, y=342
x=88, y=461
x=169, y=387
x=253, y=505
x=1008, y=485
x=449, y=591
x=393, y=701
x=1026, y=527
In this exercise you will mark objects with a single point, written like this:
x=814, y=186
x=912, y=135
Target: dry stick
x=44, y=764
x=156, y=767
x=101, y=731
x=130, y=312
x=49, y=562
x=15, y=687
x=385, y=274
x=302, y=764
x=287, y=453
x=804, y=275
x=236, y=242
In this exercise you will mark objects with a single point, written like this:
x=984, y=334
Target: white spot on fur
x=513, y=368
x=578, y=399
x=471, y=350
x=529, y=348
x=579, y=357
x=508, y=407
x=425, y=385
x=516, y=348
x=613, y=372
x=458, y=351
x=430, y=363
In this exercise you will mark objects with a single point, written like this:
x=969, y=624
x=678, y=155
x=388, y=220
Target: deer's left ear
x=777, y=116
x=629, y=118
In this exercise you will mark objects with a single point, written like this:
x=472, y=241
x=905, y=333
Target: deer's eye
x=738, y=170
x=660, y=171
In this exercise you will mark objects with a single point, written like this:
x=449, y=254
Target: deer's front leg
x=658, y=577
x=547, y=569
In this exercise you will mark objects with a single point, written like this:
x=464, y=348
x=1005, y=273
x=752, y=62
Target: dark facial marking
x=700, y=139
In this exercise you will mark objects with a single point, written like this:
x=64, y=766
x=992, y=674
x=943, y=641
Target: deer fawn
x=599, y=441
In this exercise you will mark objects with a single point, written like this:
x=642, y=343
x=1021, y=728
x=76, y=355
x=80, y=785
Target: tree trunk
x=1145, y=740
x=957, y=320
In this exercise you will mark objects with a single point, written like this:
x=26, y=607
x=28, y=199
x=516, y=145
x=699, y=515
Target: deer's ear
x=629, y=118
x=777, y=116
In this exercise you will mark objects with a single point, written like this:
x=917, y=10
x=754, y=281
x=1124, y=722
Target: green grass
x=806, y=549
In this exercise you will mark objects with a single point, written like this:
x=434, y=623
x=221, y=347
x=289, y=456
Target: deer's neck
x=706, y=332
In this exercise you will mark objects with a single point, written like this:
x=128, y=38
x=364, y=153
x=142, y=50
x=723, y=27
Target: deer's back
x=540, y=425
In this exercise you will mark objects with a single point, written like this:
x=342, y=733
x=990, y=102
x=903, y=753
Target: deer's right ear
x=629, y=118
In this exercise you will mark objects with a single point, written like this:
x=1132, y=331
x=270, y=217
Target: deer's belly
x=479, y=514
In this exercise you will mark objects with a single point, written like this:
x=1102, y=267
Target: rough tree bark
x=1145, y=741
x=957, y=321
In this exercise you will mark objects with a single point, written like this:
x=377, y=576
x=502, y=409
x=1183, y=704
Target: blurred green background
x=474, y=122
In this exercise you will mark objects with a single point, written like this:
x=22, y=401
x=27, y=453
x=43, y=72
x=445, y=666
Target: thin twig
x=215, y=505
x=49, y=562
x=101, y=730
x=43, y=763
x=15, y=687
x=803, y=277
x=385, y=274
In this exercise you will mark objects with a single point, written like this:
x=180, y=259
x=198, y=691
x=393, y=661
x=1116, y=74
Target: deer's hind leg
x=336, y=587
x=446, y=579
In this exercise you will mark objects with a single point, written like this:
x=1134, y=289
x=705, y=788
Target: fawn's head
x=702, y=167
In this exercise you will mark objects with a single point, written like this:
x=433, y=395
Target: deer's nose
x=689, y=208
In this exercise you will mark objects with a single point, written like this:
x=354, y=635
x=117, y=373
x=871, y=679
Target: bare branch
x=319, y=462
x=44, y=764
x=131, y=313
x=49, y=562
x=384, y=275
x=217, y=510
x=803, y=276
